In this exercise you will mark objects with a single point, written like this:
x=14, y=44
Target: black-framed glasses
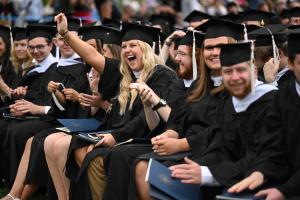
x=38, y=47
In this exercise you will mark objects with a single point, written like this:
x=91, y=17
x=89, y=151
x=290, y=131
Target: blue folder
x=80, y=125
x=237, y=196
x=163, y=186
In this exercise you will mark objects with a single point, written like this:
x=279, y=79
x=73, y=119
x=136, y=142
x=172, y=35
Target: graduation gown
x=241, y=133
x=9, y=76
x=72, y=76
x=131, y=125
x=283, y=130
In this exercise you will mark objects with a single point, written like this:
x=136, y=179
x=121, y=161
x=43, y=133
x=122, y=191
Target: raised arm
x=84, y=50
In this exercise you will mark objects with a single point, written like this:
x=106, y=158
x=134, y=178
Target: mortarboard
x=5, y=32
x=188, y=39
x=294, y=12
x=167, y=20
x=91, y=32
x=196, y=15
x=256, y=15
x=263, y=35
x=285, y=14
x=111, y=35
x=231, y=17
x=146, y=34
x=214, y=28
x=18, y=33
x=235, y=53
x=33, y=31
x=293, y=42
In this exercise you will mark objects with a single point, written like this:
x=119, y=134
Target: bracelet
x=65, y=35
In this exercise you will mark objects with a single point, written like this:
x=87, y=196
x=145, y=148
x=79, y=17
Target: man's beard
x=246, y=91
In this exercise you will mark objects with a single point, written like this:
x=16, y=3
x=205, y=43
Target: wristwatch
x=160, y=104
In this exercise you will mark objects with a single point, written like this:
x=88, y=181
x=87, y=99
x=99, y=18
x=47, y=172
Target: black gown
x=34, y=83
x=193, y=121
x=10, y=77
x=131, y=125
x=242, y=133
x=72, y=76
x=283, y=130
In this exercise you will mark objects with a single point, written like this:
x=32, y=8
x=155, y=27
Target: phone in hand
x=95, y=136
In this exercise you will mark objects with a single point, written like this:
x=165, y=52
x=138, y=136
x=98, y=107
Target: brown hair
x=201, y=85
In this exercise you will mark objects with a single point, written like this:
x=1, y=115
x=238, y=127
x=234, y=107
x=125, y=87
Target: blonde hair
x=149, y=60
x=17, y=63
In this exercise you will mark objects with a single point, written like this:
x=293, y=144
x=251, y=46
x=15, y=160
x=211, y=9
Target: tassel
x=245, y=33
x=153, y=47
x=275, y=48
x=80, y=22
x=194, y=57
x=160, y=51
x=57, y=53
x=252, y=67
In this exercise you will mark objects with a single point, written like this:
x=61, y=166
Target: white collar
x=281, y=73
x=44, y=65
x=297, y=88
x=217, y=80
x=187, y=83
x=69, y=61
x=137, y=74
x=241, y=105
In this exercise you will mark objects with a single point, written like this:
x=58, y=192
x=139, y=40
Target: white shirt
x=44, y=65
x=297, y=88
x=217, y=80
x=241, y=105
x=187, y=83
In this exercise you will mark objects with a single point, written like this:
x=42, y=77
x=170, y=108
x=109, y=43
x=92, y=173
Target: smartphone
x=61, y=87
x=95, y=136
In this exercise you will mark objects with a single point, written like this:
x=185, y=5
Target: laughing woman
x=126, y=118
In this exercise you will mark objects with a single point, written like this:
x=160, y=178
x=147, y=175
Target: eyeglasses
x=182, y=54
x=38, y=47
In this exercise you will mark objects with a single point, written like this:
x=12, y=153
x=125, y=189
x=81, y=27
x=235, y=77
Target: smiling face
x=132, y=54
x=237, y=79
x=212, y=52
x=20, y=47
x=39, y=48
x=184, y=59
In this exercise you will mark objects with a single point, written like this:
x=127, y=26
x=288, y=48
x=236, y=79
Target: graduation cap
x=293, y=42
x=256, y=15
x=214, y=28
x=196, y=15
x=74, y=24
x=18, y=33
x=264, y=36
x=285, y=14
x=294, y=12
x=232, y=54
x=46, y=31
x=231, y=17
x=193, y=39
x=112, y=23
x=188, y=39
x=146, y=34
x=91, y=32
x=5, y=32
x=166, y=21
x=111, y=35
